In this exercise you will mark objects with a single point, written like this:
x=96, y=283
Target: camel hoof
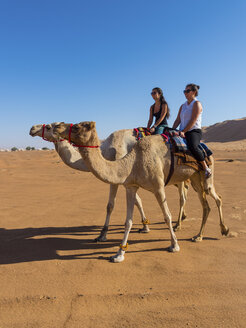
x=224, y=231
x=100, y=239
x=117, y=258
x=177, y=227
x=196, y=238
x=145, y=229
x=174, y=249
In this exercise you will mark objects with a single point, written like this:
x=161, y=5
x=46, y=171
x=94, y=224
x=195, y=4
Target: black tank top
x=158, y=114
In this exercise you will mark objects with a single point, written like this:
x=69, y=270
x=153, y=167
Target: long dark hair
x=163, y=100
x=193, y=87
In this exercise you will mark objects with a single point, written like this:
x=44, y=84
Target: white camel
x=146, y=166
x=116, y=146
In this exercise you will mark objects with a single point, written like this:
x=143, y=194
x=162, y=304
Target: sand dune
x=54, y=275
x=227, y=131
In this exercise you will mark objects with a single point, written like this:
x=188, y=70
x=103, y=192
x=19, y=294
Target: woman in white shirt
x=189, y=118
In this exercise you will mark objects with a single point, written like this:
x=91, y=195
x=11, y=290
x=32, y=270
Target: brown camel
x=146, y=165
x=117, y=145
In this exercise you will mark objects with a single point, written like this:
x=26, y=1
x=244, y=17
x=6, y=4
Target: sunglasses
x=153, y=93
x=187, y=91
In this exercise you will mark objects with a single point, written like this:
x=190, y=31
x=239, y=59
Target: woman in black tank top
x=160, y=111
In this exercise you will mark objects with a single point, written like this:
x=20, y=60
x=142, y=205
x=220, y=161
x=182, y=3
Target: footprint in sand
x=236, y=217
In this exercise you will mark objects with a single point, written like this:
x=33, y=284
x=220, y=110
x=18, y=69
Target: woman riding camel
x=190, y=118
x=160, y=111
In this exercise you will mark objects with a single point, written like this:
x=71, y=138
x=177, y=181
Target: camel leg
x=206, y=209
x=218, y=200
x=110, y=206
x=186, y=188
x=161, y=198
x=138, y=203
x=182, y=200
x=130, y=198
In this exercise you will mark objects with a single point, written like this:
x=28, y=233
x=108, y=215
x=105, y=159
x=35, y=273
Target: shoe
x=208, y=173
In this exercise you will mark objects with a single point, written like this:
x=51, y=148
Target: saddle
x=180, y=150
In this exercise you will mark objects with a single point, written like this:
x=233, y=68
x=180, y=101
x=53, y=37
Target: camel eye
x=88, y=127
x=75, y=128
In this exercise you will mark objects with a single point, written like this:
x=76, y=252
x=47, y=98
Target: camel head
x=81, y=134
x=44, y=131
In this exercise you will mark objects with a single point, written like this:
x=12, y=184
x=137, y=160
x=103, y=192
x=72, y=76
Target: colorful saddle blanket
x=179, y=144
x=179, y=148
x=141, y=133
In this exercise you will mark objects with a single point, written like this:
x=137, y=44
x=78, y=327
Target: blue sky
x=98, y=60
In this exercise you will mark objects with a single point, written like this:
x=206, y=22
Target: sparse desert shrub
x=30, y=148
x=14, y=149
x=45, y=148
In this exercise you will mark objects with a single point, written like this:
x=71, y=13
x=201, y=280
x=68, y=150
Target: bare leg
x=161, y=198
x=204, y=165
x=130, y=197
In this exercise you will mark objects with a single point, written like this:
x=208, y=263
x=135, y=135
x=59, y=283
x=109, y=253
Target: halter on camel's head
x=48, y=127
x=75, y=127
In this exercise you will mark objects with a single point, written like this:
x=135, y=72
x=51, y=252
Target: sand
x=54, y=275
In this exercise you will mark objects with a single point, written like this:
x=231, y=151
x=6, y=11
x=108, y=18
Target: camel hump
x=152, y=143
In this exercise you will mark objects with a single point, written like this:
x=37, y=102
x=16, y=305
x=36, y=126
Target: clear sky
x=77, y=60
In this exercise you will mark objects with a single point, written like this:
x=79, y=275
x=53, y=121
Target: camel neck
x=70, y=156
x=113, y=172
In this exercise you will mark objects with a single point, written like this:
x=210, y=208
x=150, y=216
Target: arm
x=178, y=120
x=150, y=118
x=196, y=111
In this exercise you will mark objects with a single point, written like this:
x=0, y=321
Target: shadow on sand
x=41, y=244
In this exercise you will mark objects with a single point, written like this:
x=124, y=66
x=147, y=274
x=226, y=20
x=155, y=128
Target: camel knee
x=168, y=220
x=218, y=201
x=128, y=225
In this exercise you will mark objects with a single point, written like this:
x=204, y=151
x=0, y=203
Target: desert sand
x=53, y=274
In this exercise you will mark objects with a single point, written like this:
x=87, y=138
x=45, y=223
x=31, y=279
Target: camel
x=146, y=166
x=117, y=145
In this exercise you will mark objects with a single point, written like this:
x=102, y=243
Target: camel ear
x=92, y=125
